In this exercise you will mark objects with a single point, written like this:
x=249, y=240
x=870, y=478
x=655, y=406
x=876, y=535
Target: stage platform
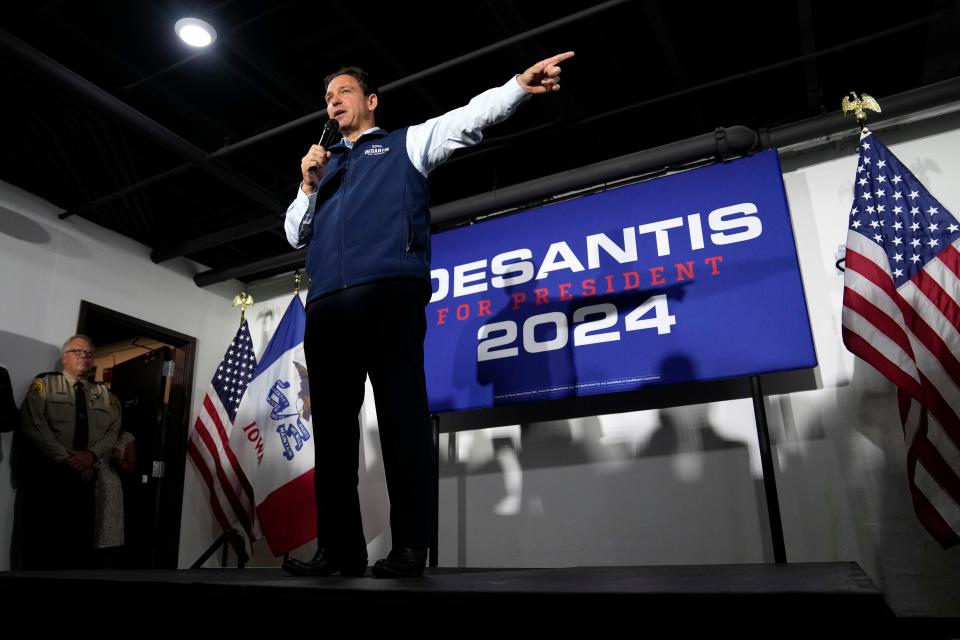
x=755, y=600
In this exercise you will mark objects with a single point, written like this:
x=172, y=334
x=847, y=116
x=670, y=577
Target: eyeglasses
x=80, y=353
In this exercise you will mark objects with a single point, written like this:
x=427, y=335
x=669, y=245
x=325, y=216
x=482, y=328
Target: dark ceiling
x=105, y=113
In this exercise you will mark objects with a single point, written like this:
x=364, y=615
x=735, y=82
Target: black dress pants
x=376, y=329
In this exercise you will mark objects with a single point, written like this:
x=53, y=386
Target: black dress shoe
x=401, y=563
x=325, y=564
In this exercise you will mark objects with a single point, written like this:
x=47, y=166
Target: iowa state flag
x=273, y=437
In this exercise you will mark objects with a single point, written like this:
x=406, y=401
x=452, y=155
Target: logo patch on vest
x=376, y=150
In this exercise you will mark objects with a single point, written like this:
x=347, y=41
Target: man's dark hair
x=361, y=76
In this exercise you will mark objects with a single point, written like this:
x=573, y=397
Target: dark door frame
x=175, y=449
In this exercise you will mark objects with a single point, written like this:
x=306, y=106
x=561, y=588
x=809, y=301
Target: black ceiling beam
x=287, y=261
x=226, y=234
x=49, y=68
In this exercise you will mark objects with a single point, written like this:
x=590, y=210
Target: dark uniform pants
x=55, y=510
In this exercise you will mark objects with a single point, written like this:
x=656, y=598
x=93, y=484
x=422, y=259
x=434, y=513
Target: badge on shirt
x=36, y=388
x=376, y=150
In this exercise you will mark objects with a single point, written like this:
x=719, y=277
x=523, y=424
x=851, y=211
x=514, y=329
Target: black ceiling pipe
x=835, y=123
x=49, y=68
x=738, y=140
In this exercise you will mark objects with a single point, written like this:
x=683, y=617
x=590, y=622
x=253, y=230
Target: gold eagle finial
x=242, y=300
x=857, y=106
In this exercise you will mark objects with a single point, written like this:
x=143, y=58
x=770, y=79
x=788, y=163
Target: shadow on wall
x=685, y=429
x=70, y=241
x=24, y=358
x=19, y=226
x=559, y=492
x=684, y=434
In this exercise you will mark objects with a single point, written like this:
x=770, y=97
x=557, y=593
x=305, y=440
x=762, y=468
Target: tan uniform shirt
x=49, y=412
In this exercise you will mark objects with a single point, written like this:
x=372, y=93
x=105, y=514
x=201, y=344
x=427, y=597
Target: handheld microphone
x=330, y=130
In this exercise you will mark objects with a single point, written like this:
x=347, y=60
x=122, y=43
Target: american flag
x=901, y=313
x=273, y=437
x=231, y=494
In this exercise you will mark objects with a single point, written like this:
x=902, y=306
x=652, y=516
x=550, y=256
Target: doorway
x=150, y=370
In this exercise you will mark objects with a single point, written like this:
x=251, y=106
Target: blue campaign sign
x=690, y=277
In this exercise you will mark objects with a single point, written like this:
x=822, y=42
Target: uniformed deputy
x=68, y=423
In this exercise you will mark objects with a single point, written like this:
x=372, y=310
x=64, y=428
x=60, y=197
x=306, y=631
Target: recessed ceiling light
x=195, y=33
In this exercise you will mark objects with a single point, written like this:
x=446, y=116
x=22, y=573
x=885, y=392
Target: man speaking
x=362, y=211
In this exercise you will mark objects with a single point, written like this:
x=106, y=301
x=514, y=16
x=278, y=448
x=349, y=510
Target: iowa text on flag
x=901, y=313
x=273, y=437
x=231, y=494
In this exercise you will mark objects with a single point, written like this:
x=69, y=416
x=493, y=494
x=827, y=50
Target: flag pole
x=857, y=105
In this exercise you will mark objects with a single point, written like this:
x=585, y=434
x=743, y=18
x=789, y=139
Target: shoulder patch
x=36, y=387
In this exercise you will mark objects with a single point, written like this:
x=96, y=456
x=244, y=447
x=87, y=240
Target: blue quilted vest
x=371, y=221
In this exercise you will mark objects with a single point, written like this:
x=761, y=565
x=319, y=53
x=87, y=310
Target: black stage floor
x=755, y=600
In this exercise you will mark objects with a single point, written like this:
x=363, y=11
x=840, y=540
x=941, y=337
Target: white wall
x=47, y=266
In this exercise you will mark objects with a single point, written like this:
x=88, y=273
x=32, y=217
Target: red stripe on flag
x=860, y=347
x=244, y=514
x=930, y=339
x=941, y=410
x=878, y=318
x=938, y=469
x=871, y=271
x=931, y=519
x=288, y=516
x=951, y=257
x=204, y=471
x=928, y=515
x=938, y=296
x=225, y=439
